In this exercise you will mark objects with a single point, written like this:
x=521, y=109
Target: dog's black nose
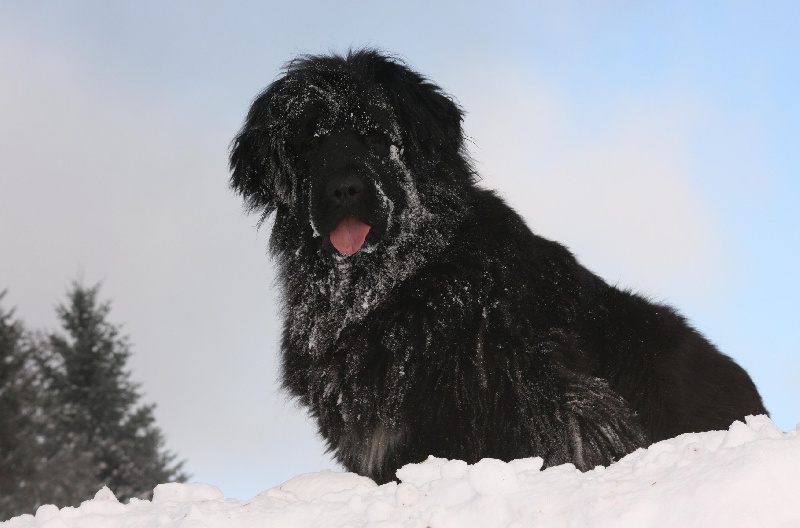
x=345, y=190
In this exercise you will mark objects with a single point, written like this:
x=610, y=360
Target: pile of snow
x=746, y=476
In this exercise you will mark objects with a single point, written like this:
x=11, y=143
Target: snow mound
x=748, y=475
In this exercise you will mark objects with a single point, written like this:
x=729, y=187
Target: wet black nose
x=345, y=190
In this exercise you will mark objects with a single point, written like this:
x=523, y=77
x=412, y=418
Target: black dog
x=423, y=317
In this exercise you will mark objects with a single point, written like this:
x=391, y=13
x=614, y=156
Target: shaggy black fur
x=453, y=331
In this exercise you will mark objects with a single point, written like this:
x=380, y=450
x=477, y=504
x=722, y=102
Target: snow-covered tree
x=15, y=454
x=86, y=367
x=71, y=419
x=39, y=463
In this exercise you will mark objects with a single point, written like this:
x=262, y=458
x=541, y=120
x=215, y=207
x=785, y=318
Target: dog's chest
x=357, y=372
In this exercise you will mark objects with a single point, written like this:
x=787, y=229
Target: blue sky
x=659, y=141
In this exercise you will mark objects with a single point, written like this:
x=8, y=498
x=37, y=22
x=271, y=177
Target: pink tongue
x=349, y=235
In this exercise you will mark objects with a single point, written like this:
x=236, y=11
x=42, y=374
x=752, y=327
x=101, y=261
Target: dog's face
x=352, y=173
x=351, y=153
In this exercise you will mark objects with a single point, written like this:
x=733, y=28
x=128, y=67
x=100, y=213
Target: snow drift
x=746, y=476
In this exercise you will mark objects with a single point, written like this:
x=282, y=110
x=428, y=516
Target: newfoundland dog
x=421, y=316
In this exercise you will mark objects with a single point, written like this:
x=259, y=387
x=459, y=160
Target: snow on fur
x=746, y=476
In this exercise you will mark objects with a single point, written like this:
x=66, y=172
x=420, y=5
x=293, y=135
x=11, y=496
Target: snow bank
x=746, y=476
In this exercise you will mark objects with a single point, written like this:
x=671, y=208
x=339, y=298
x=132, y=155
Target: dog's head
x=348, y=151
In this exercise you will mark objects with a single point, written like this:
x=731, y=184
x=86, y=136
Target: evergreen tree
x=99, y=403
x=15, y=466
x=38, y=464
x=70, y=418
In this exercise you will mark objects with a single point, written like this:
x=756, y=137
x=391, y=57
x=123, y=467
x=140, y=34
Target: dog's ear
x=429, y=120
x=262, y=171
